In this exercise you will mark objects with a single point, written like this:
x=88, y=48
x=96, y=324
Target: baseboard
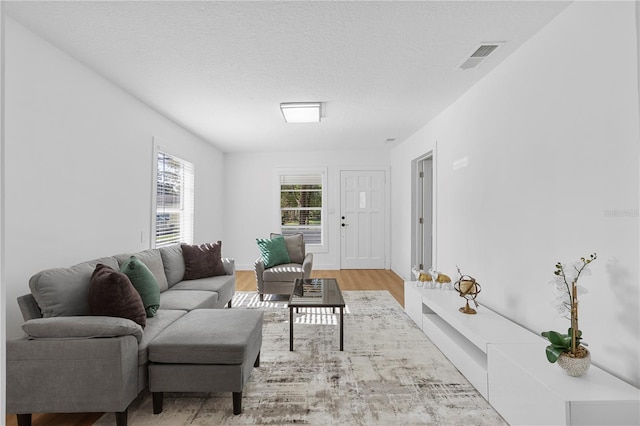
x=397, y=272
x=249, y=267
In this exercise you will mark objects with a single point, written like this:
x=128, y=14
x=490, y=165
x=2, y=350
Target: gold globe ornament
x=468, y=288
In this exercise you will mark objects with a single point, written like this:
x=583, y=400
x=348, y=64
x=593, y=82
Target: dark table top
x=316, y=292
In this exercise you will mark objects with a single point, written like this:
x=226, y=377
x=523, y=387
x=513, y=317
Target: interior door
x=425, y=214
x=362, y=219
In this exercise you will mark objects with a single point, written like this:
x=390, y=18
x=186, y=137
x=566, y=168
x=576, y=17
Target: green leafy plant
x=566, y=282
x=559, y=343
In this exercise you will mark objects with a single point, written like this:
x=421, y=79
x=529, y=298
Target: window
x=174, y=200
x=301, y=205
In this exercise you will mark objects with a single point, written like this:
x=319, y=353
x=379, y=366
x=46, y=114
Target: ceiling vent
x=478, y=55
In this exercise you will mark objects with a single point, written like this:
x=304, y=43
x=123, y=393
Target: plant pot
x=574, y=366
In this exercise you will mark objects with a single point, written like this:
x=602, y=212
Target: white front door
x=362, y=224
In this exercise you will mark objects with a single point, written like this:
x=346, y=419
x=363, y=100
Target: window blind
x=175, y=197
x=311, y=179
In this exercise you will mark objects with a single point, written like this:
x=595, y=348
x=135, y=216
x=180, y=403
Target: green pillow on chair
x=274, y=251
x=144, y=282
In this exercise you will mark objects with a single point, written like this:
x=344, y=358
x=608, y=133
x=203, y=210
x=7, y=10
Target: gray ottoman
x=207, y=350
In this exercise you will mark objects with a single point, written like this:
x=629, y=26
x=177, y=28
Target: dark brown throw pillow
x=202, y=261
x=112, y=294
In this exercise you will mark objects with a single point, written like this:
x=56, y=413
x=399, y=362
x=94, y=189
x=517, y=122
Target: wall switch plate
x=460, y=163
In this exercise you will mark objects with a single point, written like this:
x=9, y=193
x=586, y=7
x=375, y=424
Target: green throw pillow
x=274, y=251
x=144, y=282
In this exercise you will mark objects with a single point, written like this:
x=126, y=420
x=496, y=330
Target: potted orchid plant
x=568, y=349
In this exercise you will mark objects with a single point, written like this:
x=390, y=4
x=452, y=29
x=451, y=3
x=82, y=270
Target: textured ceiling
x=221, y=69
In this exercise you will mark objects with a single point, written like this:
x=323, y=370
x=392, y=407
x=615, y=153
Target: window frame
x=304, y=171
x=186, y=236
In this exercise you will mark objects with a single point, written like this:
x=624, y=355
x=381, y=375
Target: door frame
x=416, y=200
x=387, y=209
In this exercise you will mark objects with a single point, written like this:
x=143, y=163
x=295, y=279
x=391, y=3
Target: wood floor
x=355, y=279
x=348, y=279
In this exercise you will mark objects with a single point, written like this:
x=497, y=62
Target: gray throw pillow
x=173, y=263
x=295, y=247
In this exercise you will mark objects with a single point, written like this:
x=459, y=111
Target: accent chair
x=279, y=279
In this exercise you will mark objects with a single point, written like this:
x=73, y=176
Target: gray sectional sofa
x=70, y=361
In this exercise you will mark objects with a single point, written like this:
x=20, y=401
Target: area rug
x=388, y=374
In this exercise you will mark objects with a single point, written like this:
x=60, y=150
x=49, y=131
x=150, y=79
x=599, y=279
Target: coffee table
x=316, y=293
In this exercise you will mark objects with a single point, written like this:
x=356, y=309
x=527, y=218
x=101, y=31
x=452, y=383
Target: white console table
x=507, y=365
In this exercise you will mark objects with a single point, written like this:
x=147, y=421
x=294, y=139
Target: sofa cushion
x=173, y=263
x=224, y=285
x=153, y=260
x=202, y=261
x=64, y=291
x=192, y=339
x=112, y=294
x=81, y=327
x=162, y=319
x=295, y=246
x=284, y=272
x=188, y=300
x=144, y=282
x=274, y=251
x=206, y=284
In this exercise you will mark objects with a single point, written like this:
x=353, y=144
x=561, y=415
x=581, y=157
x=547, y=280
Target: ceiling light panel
x=301, y=112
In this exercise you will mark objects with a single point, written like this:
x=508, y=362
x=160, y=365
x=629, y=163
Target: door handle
x=344, y=224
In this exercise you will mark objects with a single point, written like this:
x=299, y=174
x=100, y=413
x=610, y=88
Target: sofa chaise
x=71, y=361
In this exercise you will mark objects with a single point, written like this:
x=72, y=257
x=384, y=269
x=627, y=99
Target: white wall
x=551, y=137
x=79, y=166
x=251, y=199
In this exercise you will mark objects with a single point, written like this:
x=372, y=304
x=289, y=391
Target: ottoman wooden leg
x=121, y=418
x=157, y=402
x=24, y=419
x=257, y=363
x=237, y=402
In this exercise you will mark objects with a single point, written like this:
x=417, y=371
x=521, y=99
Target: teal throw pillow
x=274, y=251
x=144, y=282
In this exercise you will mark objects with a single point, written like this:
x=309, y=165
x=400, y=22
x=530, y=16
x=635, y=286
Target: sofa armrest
x=258, y=267
x=71, y=375
x=81, y=327
x=29, y=307
x=307, y=265
x=229, y=265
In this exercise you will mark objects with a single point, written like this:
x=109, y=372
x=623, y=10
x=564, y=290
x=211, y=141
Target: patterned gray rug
x=388, y=374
